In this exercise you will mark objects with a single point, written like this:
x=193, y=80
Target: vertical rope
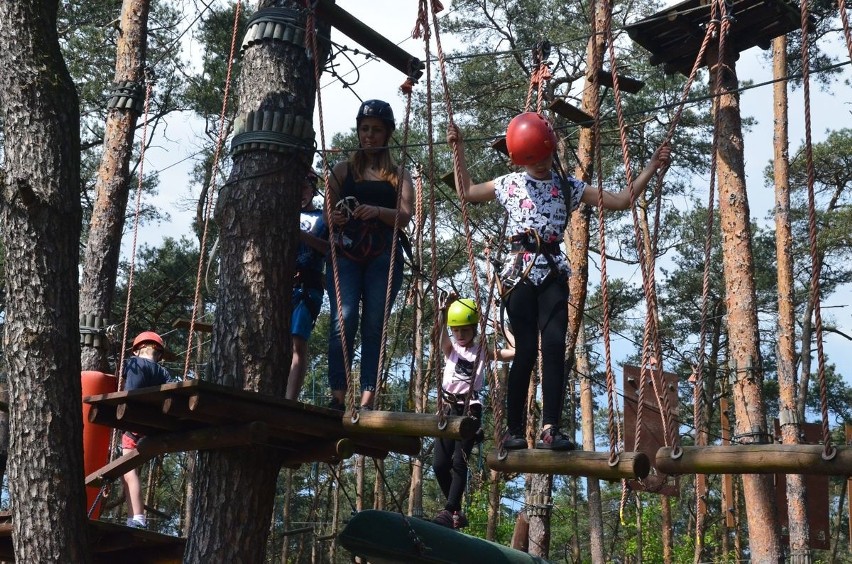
x=816, y=262
x=841, y=4
x=220, y=141
x=139, y=182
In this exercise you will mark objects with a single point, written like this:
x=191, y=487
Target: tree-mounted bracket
x=267, y=130
x=275, y=24
x=127, y=95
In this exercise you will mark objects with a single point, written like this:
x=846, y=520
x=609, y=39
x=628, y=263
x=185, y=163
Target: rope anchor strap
x=127, y=95
x=275, y=24
x=267, y=130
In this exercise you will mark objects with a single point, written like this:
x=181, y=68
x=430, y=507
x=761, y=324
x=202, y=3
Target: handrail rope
x=341, y=485
x=406, y=88
x=610, y=376
x=311, y=32
x=149, y=82
x=422, y=29
x=816, y=261
x=841, y=4
x=436, y=7
x=220, y=141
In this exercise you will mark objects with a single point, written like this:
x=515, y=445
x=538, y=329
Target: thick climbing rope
x=471, y=257
x=538, y=77
x=208, y=208
x=422, y=29
x=816, y=260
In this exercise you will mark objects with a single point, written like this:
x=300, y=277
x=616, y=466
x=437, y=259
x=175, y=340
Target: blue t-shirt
x=308, y=258
x=143, y=373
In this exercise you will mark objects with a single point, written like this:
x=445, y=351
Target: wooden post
x=573, y=463
x=756, y=459
x=727, y=479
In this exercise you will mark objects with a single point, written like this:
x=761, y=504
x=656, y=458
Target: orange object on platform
x=95, y=437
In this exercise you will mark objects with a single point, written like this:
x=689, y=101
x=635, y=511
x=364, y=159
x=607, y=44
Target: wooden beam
x=411, y=424
x=573, y=463
x=200, y=327
x=322, y=451
x=756, y=459
x=367, y=37
x=571, y=112
x=199, y=439
x=625, y=83
x=105, y=415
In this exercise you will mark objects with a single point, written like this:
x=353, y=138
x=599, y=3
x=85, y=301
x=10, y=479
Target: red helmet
x=529, y=138
x=147, y=337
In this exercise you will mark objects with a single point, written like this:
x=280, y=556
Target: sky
x=395, y=20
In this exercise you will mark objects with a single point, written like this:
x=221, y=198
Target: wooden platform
x=199, y=415
x=674, y=35
x=112, y=543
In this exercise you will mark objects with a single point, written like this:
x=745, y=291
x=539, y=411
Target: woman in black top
x=362, y=208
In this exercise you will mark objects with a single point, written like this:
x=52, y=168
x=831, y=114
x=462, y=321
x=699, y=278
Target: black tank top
x=370, y=192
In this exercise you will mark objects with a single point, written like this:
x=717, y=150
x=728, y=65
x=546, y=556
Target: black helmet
x=377, y=109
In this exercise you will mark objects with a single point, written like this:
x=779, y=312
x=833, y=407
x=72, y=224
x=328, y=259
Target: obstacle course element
x=112, y=543
x=385, y=537
x=95, y=437
x=674, y=35
x=756, y=459
x=195, y=414
x=629, y=465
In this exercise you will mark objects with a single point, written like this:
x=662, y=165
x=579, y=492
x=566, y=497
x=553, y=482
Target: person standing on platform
x=142, y=370
x=308, y=283
x=367, y=196
x=538, y=201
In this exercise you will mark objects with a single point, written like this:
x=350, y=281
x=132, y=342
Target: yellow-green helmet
x=462, y=312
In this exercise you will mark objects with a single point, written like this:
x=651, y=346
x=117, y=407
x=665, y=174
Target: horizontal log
x=630, y=465
x=411, y=424
x=756, y=459
x=322, y=451
x=117, y=468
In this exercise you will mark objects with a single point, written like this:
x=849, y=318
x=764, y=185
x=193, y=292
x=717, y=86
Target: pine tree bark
x=257, y=214
x=790, y=428
x=593, y=485
x=100, y=259
x=40, y=217
x=738, y=267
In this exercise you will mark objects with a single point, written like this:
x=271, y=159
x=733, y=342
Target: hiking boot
x=513, y=441
x=554, y=439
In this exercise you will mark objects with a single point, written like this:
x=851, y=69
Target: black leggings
x=535, y=310
x=450, y=462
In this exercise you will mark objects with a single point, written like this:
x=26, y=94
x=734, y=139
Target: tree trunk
x=257, y=214
x=593, y=485
x=790, y=428
x=40, y=219
x=100, y=259
x=418, y=385
x=668, y=536
x=738, y=266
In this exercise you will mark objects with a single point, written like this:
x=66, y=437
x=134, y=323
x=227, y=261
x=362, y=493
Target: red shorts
x=129, y=440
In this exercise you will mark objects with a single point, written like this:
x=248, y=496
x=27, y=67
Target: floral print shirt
x=537, y=205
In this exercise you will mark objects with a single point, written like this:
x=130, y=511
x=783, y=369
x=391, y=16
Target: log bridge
x=200, y=415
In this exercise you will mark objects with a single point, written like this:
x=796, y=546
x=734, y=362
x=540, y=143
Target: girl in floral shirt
x=538, y=202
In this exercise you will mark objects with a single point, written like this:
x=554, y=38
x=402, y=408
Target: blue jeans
x=362, y=286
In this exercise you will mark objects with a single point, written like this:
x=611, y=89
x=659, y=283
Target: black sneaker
x=512, y=441
x=554, y=439
x=336, y=405
x=444, y=518
x=459, y=520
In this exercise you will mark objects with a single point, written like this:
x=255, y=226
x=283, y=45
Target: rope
x=139, y=182
x=422, y=29
x=816, y=260
x=312, y=33
x=208, y=208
